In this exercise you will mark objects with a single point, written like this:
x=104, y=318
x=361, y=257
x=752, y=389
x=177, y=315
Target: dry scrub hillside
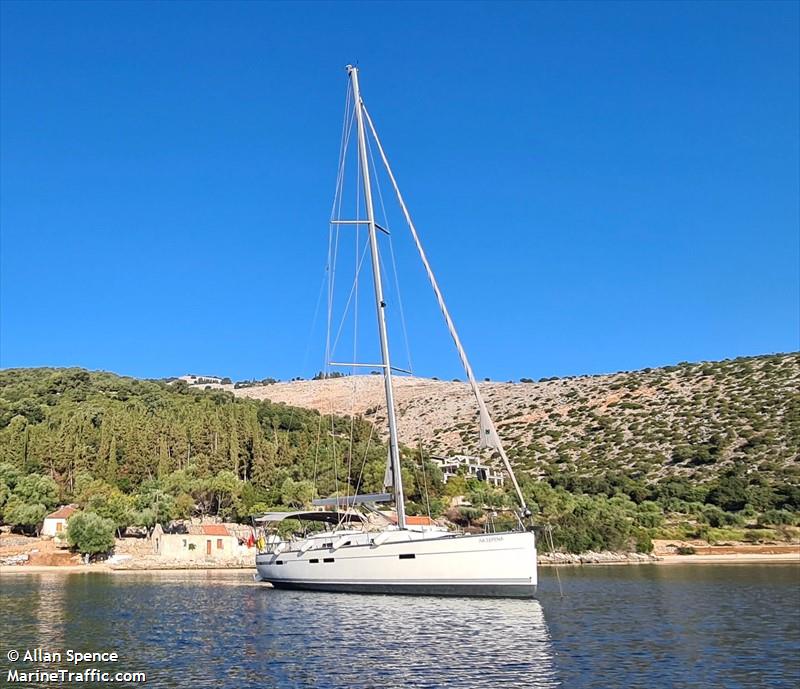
x=689, y=419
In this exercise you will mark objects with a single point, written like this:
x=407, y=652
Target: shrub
x=730, y=493
x=90, y=533
x=779, y=518
x=644, y=544
x=22, y=514
x=685, y=550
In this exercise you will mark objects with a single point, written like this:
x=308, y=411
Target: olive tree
x=89, y=533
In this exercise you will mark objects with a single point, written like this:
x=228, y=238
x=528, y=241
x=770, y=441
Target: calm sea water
x=625, y=626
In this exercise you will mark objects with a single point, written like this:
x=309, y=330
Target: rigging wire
x=395, y=274
x=424, y=477
x=349, y=298
x=354, y=292
x=308, y=343
x=333, y=249
x=490, y=429
x=366, y=454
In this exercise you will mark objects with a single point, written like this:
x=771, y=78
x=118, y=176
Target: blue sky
x=599, y=187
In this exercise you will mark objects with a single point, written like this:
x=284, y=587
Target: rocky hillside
x=691, y=419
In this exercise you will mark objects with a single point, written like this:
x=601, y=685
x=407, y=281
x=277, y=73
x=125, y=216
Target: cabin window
x=314, y=561
x=278, y=562
x=219, y=544
x=327, y=559
x=407, y=556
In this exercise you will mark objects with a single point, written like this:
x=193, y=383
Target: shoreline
x=733, y=558
x=577, y=561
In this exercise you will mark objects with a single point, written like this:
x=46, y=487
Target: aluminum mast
x=380, y=304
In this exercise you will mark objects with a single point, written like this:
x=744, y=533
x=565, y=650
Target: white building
x=56, y=523
x=472, y=468
x=198, y=542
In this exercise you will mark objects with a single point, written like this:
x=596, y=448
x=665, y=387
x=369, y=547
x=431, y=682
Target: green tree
x=90, y=533
x=28, y=516
x=9, y=474
x=37, y=490
x=226, y=488
x=33, y=496
x=730, y=492
x=5, y=494
x=184, y=506
x=112, y=466
x=297, y=493
x=152, y=506
x=115, y=506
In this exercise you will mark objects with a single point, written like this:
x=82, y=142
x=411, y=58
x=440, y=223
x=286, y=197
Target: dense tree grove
x=135, y=453
x=138, y=452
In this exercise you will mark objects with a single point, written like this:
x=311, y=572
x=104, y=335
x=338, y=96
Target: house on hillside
x=196, y=542
x=56, y=523
x=472, y=467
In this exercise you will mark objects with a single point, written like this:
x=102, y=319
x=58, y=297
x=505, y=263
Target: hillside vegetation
x=703, y=450
x=690, y=421
x=158, y=451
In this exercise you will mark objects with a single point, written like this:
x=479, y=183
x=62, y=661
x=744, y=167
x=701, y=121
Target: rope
x=363, y=464
x=549, y=532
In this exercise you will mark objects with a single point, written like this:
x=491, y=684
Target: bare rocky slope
x=691, y=420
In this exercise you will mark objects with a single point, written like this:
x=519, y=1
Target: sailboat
x=351, y=554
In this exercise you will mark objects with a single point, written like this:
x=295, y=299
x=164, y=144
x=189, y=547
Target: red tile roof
x=415, y=521
x=64, y=512
x=214, y=530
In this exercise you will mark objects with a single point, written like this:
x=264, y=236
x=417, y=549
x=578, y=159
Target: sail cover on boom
x=350, y=500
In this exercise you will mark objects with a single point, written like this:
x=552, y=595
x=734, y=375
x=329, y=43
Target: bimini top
x=330, y=517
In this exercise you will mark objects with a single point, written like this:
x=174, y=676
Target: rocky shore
x=596, y=558
x=154, y=564
x=26, y=554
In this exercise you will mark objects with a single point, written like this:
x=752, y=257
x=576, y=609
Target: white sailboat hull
x=501, y=564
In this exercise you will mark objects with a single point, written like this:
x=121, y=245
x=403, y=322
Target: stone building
x=56, y=523
x=197, y=542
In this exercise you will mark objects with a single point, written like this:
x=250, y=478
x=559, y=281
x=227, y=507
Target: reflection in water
x=647, y=626
x=222, y=629
x=396, y=641
x=49, y=610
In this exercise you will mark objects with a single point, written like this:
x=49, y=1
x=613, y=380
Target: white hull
x=502, y=564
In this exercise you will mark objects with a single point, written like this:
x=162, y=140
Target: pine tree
x=164, y=462
x=111, y=467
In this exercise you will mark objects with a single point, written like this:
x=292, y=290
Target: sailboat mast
x=380, y=305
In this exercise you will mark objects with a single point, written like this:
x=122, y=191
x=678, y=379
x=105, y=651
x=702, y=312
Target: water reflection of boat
x=435, y=641
x=397, y=558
